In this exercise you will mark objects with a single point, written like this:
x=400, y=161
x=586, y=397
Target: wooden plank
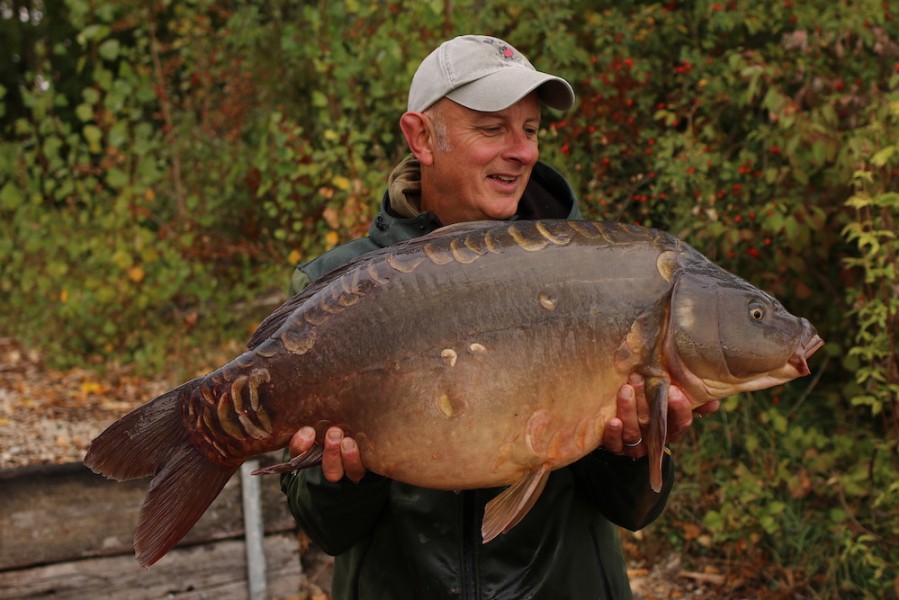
x=57, y=513
x=216, y=570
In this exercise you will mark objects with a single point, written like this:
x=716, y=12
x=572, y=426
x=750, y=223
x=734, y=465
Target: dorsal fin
x=273, y=322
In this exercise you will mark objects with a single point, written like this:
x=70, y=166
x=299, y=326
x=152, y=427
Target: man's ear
x=419, y=135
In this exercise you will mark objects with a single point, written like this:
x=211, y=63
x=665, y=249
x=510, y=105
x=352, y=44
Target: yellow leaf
x=149, y=195
x=136, y=274
x=331, y=239
x=64, y=296
x=294, y=257
x=91, y=387
x=341, y=182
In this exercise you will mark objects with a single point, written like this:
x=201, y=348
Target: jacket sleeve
x=619, y=485
x=334, y=515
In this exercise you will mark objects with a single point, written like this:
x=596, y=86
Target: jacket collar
x=547, y=196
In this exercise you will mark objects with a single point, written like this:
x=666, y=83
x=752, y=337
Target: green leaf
x=94, y=136
x=84, y=112
x=10, y=196
x=116, y=178
x=109, y=50
x=118, y=134
x=90, y=95
x=883, y=156
x=319, y=100
x=91, y=33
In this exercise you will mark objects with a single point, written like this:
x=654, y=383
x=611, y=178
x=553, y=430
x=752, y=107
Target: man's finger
x=611, y=436
x=626, y=411
x=332, y=461
x=301, y=441
x=636, y=382
x=352, y=461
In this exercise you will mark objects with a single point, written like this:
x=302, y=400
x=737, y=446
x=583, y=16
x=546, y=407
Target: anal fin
x=309, y=458
x=506, y=510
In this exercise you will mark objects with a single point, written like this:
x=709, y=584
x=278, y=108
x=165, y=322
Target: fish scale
x=484, y=354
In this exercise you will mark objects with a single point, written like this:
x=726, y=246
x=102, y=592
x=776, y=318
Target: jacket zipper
x=470, y=542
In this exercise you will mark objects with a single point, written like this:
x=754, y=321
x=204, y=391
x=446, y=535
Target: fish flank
x=546, y=301
x=327, y=306
x=239, y=412
x=267, y=349
x=316, y=320
x=491, y=243
x=525, y=241
x=462, y=254
x=372, y=271
x=404, y=264
x=667, y=265
x=559, y=238
x=450, y=356
x=476, y=244
x=585, y=229
x=437, y=255
x=298, y=343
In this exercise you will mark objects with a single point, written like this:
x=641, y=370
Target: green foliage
x=875, y=233
x=163, y=166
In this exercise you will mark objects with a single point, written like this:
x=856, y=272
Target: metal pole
x=254, y=531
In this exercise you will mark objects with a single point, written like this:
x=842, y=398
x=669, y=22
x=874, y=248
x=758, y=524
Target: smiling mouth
x=504, y=178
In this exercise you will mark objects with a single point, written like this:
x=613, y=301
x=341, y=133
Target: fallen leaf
x=136, y=274
x=92, y=387
x=691, y=531
x=341, y=182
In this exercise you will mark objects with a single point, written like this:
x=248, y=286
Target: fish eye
x=756, y=313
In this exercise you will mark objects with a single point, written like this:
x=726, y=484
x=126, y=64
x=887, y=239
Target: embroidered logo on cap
x=506, y=51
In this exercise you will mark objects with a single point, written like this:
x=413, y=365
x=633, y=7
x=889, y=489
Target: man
x=471, y=125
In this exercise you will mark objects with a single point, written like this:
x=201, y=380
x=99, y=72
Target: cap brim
x=502, y=89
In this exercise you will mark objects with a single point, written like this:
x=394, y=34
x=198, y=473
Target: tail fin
x=152, y=441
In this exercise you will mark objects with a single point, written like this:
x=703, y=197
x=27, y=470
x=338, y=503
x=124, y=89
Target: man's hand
x=340, y=457
x=622, y=434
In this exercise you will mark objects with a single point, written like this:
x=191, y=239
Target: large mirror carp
x=484, y=354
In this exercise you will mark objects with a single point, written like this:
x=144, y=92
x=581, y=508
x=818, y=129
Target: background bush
x=164, y=165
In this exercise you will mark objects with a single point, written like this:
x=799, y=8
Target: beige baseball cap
x=485, y=74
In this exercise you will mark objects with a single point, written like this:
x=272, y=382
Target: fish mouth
x=701, y=390
x=799, y=360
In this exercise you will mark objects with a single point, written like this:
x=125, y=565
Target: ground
x=50, y=416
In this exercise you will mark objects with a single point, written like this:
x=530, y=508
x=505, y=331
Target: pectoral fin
x=309, y=458
x=506, y=510
x=657, y=397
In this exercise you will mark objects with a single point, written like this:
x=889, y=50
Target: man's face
x=483, y=160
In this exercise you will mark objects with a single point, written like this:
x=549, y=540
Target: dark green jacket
x=396, y=541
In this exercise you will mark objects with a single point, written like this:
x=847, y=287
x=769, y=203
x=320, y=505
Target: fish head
x=727, y=336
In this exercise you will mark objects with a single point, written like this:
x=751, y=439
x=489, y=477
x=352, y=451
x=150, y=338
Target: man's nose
x=521, y=148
